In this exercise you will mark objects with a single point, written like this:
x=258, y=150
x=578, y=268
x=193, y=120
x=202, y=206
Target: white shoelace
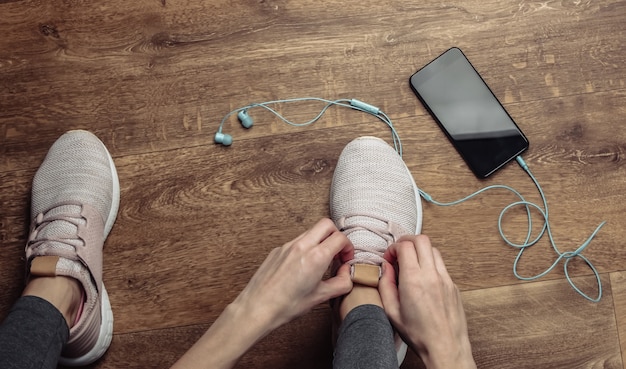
x=370, y=253
x=57, y=228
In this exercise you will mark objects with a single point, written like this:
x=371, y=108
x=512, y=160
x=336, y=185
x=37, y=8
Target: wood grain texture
x=538, y=325
x=153, y=79
x=618, y=287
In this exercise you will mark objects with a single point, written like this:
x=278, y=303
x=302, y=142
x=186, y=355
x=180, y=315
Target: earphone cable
x=567, y=255
x=352, y=104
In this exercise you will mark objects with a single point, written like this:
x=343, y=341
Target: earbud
x=226, y=139
x=247, y=122
x=245, y=119
x=223, y=138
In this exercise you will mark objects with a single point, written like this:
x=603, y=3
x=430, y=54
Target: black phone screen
x=469, y=113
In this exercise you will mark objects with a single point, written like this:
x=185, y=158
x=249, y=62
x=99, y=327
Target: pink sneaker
x=75, y=199
x=374, y=201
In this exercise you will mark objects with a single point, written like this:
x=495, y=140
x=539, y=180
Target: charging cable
x=567, y=255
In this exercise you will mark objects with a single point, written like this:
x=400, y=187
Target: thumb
x=336, y=286
x=389, y=291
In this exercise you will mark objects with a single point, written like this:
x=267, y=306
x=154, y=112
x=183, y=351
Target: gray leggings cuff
x=366, y=340
x=32, y=335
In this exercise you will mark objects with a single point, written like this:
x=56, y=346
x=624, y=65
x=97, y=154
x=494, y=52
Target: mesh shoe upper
x=373, y=198
x=78, y=169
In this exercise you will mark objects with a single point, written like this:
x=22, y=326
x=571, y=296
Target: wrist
x=458, y=357
x=254, y=321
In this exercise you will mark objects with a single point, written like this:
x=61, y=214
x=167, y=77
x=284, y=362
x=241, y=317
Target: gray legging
x=32, y=335
x=365, y=340
x=34, y=332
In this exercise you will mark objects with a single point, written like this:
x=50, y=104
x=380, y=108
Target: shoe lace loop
x=370, y=253
x=37, y=244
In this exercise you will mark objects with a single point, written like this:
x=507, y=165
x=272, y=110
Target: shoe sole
x=106, y=313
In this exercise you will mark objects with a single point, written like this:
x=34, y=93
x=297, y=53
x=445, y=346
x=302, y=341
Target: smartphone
x=476, y=123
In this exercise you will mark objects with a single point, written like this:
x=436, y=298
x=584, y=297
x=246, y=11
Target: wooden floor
x=154, y=78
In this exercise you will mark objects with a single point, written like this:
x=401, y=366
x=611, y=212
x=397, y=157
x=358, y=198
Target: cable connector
x=426, y=196
x=364, y=106
x=521, y=162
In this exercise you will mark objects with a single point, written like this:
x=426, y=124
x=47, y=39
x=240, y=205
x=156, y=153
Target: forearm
x=287, y=284
x=231, y=335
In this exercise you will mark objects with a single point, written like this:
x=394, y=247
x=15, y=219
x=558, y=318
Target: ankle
x=360, y=295
x=65, y=293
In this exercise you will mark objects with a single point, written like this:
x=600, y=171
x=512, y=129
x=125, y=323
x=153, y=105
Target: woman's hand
x=289, y=282
x=425, y=306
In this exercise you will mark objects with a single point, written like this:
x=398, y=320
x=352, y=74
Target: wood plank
x=541, y=325
x=303, y=343
x=618, y=288
x=14, y=223
x=177, y=69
